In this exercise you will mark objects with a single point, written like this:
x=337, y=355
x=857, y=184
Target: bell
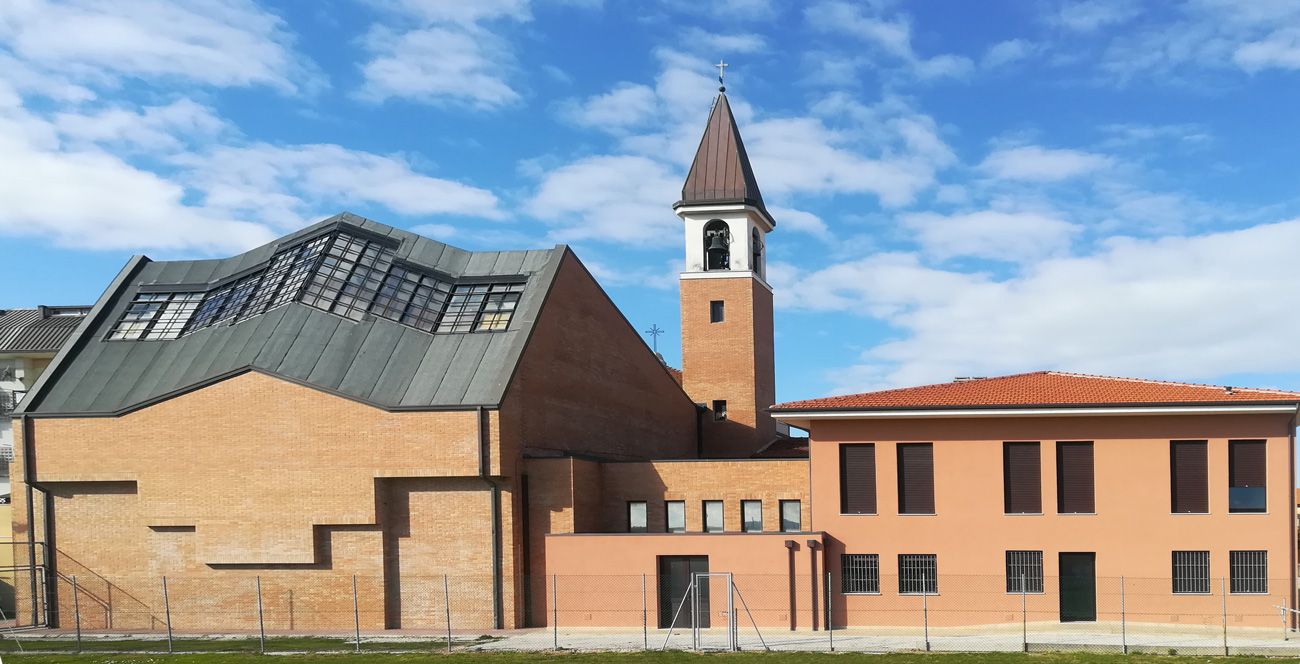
x=716, y=243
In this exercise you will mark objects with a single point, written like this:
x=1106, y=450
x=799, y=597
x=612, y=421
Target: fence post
x=446, y=601
x=1123, y=618
x=356, y=612
x=76, y=610
x=1024, y=615
x=925, y=612
x=555, y=612
x=830, y=626
x=645, y=623
x=1223, y=590
x=1285, y=637
x=261, y=623
x=167, y=611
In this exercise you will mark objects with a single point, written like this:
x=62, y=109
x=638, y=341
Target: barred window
x=156, y=316
x=1249, y=571
x=1024, y=572
x=918, y=573
x=1191, y=571
x=860, y=573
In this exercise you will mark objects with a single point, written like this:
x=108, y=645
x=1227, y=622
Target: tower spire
x=721, y=173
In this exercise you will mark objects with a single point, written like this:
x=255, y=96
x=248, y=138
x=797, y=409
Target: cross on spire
x=722, y=66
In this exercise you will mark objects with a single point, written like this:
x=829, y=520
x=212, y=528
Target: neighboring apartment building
x=29, y=338
x=399, y=409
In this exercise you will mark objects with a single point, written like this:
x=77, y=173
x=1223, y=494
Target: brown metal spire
x=721, y=172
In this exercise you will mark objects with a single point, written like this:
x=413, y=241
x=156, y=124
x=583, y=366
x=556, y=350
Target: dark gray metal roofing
x=38, y=330
x=374, y=360
x=721, y=172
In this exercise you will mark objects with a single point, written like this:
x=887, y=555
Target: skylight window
x=156, y=316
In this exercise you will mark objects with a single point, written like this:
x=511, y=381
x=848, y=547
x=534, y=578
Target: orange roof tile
x=1044, y=388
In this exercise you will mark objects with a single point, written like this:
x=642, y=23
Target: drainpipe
x=485, y=471
x=28, y=475
x=48, y=554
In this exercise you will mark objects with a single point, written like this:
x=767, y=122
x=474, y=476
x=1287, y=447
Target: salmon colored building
x=354, y=401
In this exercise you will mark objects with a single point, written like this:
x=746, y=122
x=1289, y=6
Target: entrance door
x=674, y=580
x=1078, y=587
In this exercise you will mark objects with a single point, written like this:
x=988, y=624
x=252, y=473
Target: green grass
x=296, y=644
x=632, y=658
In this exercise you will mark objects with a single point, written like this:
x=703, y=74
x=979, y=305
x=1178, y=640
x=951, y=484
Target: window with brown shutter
x=1075, y=493
x=1188, y=477
x=1022, y=482
x=1246, y=476
x=915, y=478
x=858, y=479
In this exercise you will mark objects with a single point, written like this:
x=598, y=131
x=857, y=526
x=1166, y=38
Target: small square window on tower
x=717, y=311
x=719, y=410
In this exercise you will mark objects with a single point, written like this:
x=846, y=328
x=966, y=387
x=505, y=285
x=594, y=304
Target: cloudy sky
x=961, y=189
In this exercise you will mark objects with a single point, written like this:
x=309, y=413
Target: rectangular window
x=636, y=514
x=791, y=519
x=915, y=478
x=412, y=298
x=1191, y=572
x=858, y=479
x=717, y=311
x=1249, y=571
x=1022, y=484
x=1075, y=493
x=713, y=516
x=1246, y=476
x=349, y=276
x=1188, y=477
x=719, y=410
x=751, y=516
x=1024, y=572
x=675, y=516
x=156, y=316
x=480, y=307
x=860, y=573
x=918, y=573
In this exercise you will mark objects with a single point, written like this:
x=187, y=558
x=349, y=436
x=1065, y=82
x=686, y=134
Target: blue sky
x=961, y=189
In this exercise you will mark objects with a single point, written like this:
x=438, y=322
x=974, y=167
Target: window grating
x=860, y=573
x=341, y=273
x=918, y=573
x=1249, y=571
x=155, y=316
x=1024, y=571
x=1191, y=572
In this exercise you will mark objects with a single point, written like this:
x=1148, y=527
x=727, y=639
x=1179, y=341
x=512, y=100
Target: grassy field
x=629, y=658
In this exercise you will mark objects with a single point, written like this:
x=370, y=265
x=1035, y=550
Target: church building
x=355, y=403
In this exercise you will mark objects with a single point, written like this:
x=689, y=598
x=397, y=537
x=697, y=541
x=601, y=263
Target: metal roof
x=721, y=172
x=373, y=360
x=38, y=330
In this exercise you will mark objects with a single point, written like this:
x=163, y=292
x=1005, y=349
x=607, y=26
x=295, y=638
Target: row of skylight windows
x=341, y=273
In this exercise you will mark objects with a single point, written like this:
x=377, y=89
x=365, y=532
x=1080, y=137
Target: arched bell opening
x=717, y=245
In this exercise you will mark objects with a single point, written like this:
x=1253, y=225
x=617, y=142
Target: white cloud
x=1092, y=15
x=214, y=42
x=1015, y=237
x=452, y=57
x=1279, y=50
x=627, y=105
x=1165, y=307
x=153, y=128
x=800, y=221
x=890, y=35
x=1007, y=52
x=620, y=199
x=1034, y=163
x=723, y=43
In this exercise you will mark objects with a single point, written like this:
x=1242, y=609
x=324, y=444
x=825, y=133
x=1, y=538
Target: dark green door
x=674, y=580
x=1078, y=587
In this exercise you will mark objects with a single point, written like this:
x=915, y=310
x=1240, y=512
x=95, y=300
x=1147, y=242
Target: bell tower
x=727, y=345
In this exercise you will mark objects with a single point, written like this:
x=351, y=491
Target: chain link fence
x=304, y=611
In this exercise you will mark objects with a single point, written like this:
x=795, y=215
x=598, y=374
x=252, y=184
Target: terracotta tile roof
x=1044, y=388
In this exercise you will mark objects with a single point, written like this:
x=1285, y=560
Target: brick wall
x=731, y=360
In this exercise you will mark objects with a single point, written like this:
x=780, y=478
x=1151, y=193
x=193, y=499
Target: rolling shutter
x=858, y=479
x=915, y=478
x=1189, y=477
x=1246, y=463
x=1022, y=491
x=1075, y=493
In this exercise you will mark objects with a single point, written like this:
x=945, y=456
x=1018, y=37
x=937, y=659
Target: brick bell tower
x=727, y=355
